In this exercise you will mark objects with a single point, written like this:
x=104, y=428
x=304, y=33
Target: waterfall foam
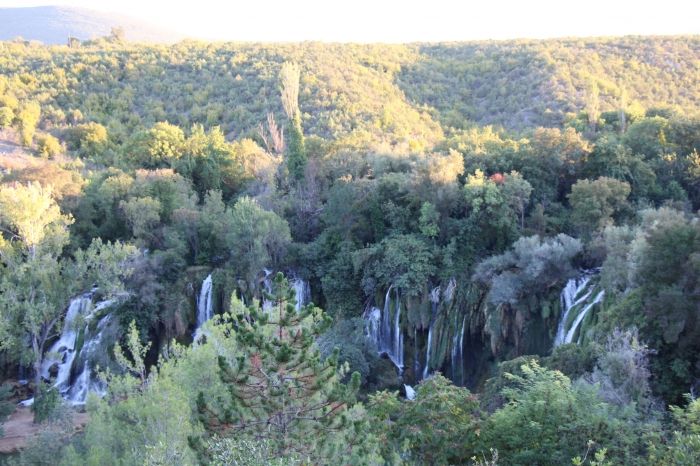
x=581, y=288
x=582, y=315
x=75, y=389
x=383, y=332
x=205, y=306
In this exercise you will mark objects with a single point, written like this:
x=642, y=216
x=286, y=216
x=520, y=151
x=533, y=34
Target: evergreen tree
x=281, y=389
x=296, y=160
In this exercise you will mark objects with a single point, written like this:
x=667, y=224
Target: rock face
x=52, y=25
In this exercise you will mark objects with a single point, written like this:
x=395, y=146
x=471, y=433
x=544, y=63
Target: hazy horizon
x=394, y=21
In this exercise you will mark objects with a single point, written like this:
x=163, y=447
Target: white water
x=64, y=348
x=573, y=288
x=205, y=306
x=427, y=351
x=76, y=390
x=267, y=284
x=430, y=334
x=384, y=333
x=303, y=292
x=458, y=361
x=572, y=331
x=410, y=392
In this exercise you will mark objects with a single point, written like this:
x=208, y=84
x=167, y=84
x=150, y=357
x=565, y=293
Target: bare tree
x=276, y=133
x=263, y=136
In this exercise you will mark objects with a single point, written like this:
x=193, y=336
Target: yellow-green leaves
x=30, y=213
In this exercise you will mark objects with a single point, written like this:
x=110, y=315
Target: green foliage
x=158, y=147
x=548, y=420
x=7, y=116
x=48, y=146
x=595, y=202
x=6, y=407
x=46, y=403
x=439, y=426
x=280, y=387
x=534, y=266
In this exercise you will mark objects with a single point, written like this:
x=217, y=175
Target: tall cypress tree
x=296, y=155
x=281, y=389
x=296, y=160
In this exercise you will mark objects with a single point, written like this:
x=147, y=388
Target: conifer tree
x=281, y=389
x=296, y=160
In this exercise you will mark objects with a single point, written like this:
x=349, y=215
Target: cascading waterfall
x=572, y=331
x=205, y=305
x=430, y=339
x=458, y=350
x=65, y=346
x=303, y=292
x=461, y=346
x=384, y=333
x=75, y=389
x=575, y=295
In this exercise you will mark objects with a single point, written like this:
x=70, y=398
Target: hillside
x=52, y=25
x=516, y=219
x=374, y=91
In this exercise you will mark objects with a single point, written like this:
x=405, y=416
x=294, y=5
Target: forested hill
x=401, y=91
x=53, y=24
x=518, y=220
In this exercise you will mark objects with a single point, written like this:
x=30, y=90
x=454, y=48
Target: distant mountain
x=53, y=24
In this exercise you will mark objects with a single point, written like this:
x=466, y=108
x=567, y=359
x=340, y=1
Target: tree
x=37, y=284
x=281, y=389
x=439, y=426
x=158, y=147
x=534, y=266
x=7, y=116
x=517, y=190
x=48, y=146
x=142, y=415
x=256, y=237
x=595, y=202
x=592, y=104
x=27, y=119
x=622, y=99
x=117, y=33
x=548, y=421
x=90, y=139
x=296, y=160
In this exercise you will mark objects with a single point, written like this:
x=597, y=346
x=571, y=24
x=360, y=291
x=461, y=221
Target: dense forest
x=478, y=253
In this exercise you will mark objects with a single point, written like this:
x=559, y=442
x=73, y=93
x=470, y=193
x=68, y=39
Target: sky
x=396, y=21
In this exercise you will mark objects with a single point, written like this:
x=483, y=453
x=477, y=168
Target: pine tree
x=281, y=389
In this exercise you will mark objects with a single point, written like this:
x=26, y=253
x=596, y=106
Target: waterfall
x=416, y=362
x=397, y=335
x=383, y=332
x=205, y=306
x=458, y=361
x=267, y=284
x=573, y=288
x=303, y=292
x=461, y=346
x=410, y=392
x=453, y=353
x=572, y=331
x=430, y=341
x=75, y=389
x=575, y=297
x=65, y=346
